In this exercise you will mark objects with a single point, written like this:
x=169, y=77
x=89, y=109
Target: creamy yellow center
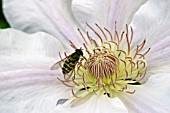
x=111, y=65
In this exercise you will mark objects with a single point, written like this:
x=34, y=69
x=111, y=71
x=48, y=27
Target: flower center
x=111, y=65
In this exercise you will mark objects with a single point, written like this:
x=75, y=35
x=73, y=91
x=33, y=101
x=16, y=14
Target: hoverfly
x=68, y=64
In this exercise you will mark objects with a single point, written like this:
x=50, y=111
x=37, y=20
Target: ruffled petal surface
x=30, y=91
x=53, y=17
x=19, y=50
x=151, y=97
x=106, y=12
x=95, y=104
x=151, y=22
x=159, y=57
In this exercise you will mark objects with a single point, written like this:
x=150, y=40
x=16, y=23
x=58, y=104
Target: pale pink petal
x=30, y=91
x=14, y=42
x=106, y=12
x=152, y=22
x=9, y=63
x=54, y=17
x=151, y=97
x=19, y=50
x=158, y=59
x=95, y=104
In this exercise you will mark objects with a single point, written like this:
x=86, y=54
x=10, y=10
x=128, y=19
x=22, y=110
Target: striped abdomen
x=70, y=63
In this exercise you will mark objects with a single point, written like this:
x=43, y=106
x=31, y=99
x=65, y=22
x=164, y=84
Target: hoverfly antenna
x=81, y=48
x=72, y=45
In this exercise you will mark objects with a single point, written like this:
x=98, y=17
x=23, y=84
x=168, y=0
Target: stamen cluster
x=110, y=67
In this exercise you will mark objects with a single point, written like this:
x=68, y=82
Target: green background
x=3, y=22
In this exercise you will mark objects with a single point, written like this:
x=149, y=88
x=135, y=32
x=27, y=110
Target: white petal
x=159, y=57
x=9, y=63
x=152, y=22
x=96, y=104
x=152, y=97
x=106, y=12
x=20, y=50
x=15, y=42
x=30, y=91
x=54, y=17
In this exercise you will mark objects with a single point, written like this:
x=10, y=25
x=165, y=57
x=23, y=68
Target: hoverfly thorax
x=79, y=51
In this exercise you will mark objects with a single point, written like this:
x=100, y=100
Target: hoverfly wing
x=68, y=75
x=57, y=65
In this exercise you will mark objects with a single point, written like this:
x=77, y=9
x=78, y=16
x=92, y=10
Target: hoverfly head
x=80, y=51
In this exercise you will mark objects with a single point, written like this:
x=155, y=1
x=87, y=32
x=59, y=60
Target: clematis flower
x=125, y=66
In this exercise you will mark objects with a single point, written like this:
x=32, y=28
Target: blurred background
x=3, y=22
